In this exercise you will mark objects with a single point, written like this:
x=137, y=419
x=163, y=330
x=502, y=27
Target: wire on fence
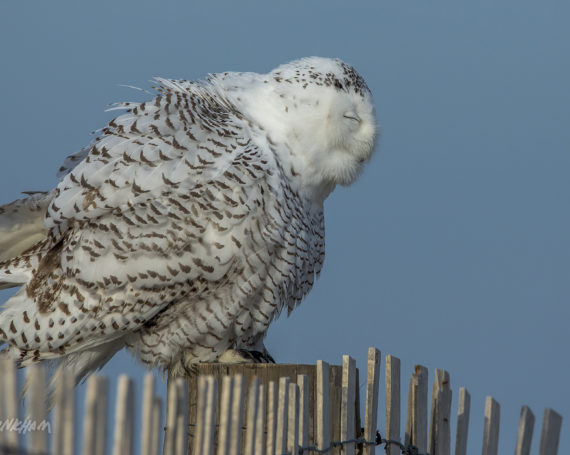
x=405, y=450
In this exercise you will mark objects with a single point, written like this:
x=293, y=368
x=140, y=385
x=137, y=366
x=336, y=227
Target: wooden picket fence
x=256, y=418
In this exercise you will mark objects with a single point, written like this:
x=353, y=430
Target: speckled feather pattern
x=186, y=227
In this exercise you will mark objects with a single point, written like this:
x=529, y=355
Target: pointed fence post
x=156, y=426
x=524, y=436
x=323, y=414
x=462, y=422
x=151, y=418
x=282, y=409
x=491, y=430
x=416, y=419
x=348, y=403
x=146, y=426
x=176, y=434
x=36, y=409
x=303, y=382
x=271, y=417
x=371, y=412
x=293, y=420
x=260, y=423
x=550, y=436
x=393, y=403
x=440, y=431
x=225, y=416
x=171, y=412
x=251, y=420
x=95, y=420
x=9, y=396
x=123, y=438
x=63, y=440
x=206, y=417
x=237, y=412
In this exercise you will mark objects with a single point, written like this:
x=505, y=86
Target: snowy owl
x=190, y=222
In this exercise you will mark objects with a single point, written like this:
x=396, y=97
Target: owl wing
x=145, y=217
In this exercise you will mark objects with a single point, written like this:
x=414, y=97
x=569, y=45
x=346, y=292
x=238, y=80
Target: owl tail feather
x=22, y=224
x=21, y=227
x=81, y=363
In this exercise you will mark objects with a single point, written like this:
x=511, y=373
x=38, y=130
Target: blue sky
x=452, y=249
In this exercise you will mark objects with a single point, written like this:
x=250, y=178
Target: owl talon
x=245, y=356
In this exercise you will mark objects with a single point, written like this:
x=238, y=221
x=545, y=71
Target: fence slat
x=63, y=440
x=550, y=436
x=250, y=423
x=371, y=412
x=293, y=419
x=171, y=413
x=393, y=403
x=491, y=430
x=236, y=420
x=282, y=408
x=462, y=422
x=271, y=420
x=95, y=420
x=524, y=436
x=348, y=402
x=101, y=424
x=124, y=410
x=181, y=442
x=225, y=414
x=322, y=411
x=303, y=383
x=146, y=432
x=36, y=410
x=416, y=419
x=156, y=427
x=260, y=423
x=440, y=431
x=3, y=417
x=176, y=434
x=10, y=399
x=209, y=417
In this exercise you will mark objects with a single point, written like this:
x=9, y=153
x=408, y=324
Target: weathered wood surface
x=348, y=403
x=491, y=427
x=440, y=430
x=272, y=373
x=371, y=410
x=151, y=427
x=36, y=410
x=10, y=439
x=393, y=403
x=282, y=408
x=124, y=415
x=175, y=436
x=64, y=434
x=524, y=436
x=304, y=399
x=95, y=420
x=416, y=418
x=462, y=431
x=550, y=437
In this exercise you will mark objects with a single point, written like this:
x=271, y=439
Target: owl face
x=328, y=112
x=319, y=110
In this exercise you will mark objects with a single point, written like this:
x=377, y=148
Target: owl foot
x=245, y=356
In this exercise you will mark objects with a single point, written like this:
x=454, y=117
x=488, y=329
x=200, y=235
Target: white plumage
x=186, y=227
